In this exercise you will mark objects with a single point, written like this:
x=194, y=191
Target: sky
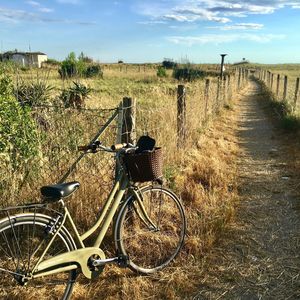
x=137, y=31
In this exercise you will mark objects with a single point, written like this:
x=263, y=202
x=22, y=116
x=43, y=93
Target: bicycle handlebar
x=117, y=147
x=96, y=146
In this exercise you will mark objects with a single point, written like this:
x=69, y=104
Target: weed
x=161, y=72
x=93, y=71
x=33, y=93
x=75, y=96
x=188, y=73
x=290, y=122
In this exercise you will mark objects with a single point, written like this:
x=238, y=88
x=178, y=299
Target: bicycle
x=38, y=249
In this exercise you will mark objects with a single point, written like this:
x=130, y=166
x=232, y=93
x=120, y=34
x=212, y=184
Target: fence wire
x=60, y=132
x=277, y=87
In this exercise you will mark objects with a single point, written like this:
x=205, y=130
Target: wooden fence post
x=239, y=78
x=224, y=90
x=277, y=85
x=272, y=81
x=285, y=87
x=181, y=115
x=296, y=93
x=217, y=103
x=127, y=121
x=206, y=98
x=228, y=87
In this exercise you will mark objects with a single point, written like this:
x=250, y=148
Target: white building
x=26, y=59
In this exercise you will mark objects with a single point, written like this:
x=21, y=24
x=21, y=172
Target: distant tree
x=85, y=58
x=169, y=64
x=72, y=66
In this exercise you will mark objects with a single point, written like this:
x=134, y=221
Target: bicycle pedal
x=123, y=261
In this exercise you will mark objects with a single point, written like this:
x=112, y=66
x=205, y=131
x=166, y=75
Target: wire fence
x=61, y=131
x=284, y=88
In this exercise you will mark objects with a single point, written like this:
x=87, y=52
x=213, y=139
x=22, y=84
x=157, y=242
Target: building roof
x=22, y=53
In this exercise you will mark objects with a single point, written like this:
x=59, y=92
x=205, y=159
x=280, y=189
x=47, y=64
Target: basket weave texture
x=145, y=166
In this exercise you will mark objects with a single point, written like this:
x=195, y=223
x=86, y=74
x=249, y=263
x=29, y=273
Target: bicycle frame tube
x=69, y=260
x=141, y=211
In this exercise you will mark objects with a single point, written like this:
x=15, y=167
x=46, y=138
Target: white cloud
x=152, y=22
x=17, y=16
x=33, y=3
x=45, y=9
x=222, y=38
x=39, y=7
x=193, y=14
x=210, y=10
x=74, y=2
x=239, y=26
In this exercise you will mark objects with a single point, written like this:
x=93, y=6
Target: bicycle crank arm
x=122, y=261
x=63, y=262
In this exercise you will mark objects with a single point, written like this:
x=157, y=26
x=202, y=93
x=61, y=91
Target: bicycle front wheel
x=150, y=230
x=23, y=238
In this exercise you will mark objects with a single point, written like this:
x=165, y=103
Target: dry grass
x=257, y=257
x=202, y=172
x=207, y=184
x=292, y=71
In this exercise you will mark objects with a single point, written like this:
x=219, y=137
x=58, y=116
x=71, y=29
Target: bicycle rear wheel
x=153, y=240
x=22, y=240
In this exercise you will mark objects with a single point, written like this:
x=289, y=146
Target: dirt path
x=259, y=256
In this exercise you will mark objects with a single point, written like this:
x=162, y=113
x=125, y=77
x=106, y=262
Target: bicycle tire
x=20, y=236
x=134, y=238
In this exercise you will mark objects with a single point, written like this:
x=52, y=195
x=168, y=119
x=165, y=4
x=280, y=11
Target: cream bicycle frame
x=79, y=258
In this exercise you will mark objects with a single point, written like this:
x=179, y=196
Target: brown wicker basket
x=145, y=166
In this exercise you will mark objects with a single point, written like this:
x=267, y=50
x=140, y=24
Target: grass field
x=202, y=172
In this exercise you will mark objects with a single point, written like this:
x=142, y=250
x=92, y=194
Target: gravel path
x=259, y=256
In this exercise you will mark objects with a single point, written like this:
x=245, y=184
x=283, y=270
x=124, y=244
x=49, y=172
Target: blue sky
x=148, y=31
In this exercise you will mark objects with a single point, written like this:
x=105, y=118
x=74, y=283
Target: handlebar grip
x=117, y=147
x=83, y=148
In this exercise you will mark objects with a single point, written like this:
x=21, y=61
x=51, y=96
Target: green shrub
x=71, y=67
x=18, y=139
x=75, y=96
x=81, y=67
x=53, y=62
x=85, y=58
x=290, y=122
x=169, y=64
x=188, y=73
x=161, y=72
x=33, y=93
x=93, y=71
